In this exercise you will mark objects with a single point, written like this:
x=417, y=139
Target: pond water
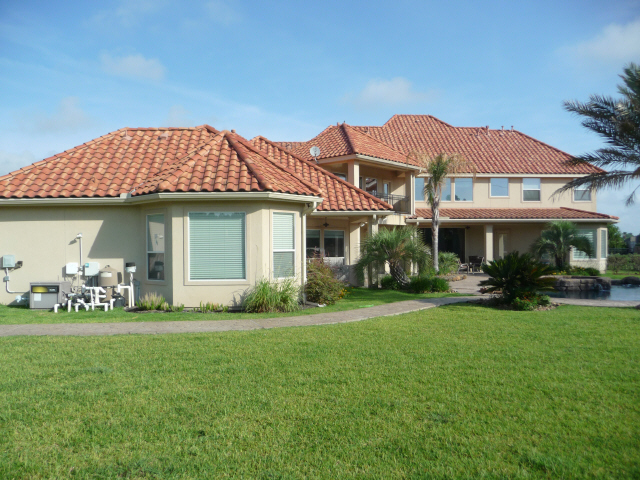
x=617, y=292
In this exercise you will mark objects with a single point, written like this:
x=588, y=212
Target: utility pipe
x=6, y=272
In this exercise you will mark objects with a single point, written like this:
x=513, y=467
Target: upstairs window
x=446, y=190
x=419, y=194
x=464, y=189
x=581, y=194
x=499, y=187
x=155, y=246
x=531, y=189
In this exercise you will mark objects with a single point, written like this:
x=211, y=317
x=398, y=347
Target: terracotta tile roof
x=561, y=213
x=343, y=139
x=338, y=194
x=146, y=160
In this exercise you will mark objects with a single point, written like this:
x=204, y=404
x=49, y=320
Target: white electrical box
x=91, y=269
x=71, y=268
x=8, y=261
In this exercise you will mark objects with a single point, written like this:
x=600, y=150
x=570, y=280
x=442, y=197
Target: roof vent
x=126, y=136
x=165, y=134
x=233, y=131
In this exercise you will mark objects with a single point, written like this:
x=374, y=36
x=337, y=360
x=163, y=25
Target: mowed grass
x=620, y=274
x=356, y=298
x=461, y=391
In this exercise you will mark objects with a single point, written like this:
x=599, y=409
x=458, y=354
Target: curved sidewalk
x=198, y=326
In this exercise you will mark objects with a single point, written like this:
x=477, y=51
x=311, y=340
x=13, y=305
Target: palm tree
x=618, y=122
x=438, y=168
x=396, y=247
x=557, y=239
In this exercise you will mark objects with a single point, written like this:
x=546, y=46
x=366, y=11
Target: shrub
x=389, y=283
x=439, y=285
x=152, y=301
x=616, y=262
x=277, y=296
x=322, y=285
x=177, y=308
x=421, y=284
x=593, y=272
x=447, y=263
x=532, y=302
x=516, y=276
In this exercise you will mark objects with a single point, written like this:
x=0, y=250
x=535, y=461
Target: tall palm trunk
x=435, y=226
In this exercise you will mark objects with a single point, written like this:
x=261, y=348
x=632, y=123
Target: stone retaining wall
x=574, y=283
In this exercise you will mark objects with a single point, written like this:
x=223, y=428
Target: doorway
x=449, y=240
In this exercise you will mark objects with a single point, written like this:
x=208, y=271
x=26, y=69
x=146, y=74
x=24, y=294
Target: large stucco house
x=204, y=213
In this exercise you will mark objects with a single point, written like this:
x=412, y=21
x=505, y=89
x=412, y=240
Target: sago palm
x=438, y=168
x=395, y=247
x=557, y=239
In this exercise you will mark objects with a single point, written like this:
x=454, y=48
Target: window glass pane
x=385, y=188
x=531, y=189
x=216, y=246
x=283, y=264
x=334, y=243
x=603, y=243
x=446, y=190
x=155, y=233
x=313, y=243
x=582, y=195
x=464, y=189
x=499, y=187
x=155, y=266
x=283, y=231
x=371, y=185
x=419, y=194
x=341, y=175
x=591, y=236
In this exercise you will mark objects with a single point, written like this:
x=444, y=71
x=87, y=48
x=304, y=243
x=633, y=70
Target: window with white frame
x=334, y=243
x=419, y=193
x=589, y=235
x=446, y=190
x=155, y=246
x=284, y=245
x=581, y=194
x=463, y=189
x=603, y=243
x=217, y=247
x=531, y=189
x=499, y=187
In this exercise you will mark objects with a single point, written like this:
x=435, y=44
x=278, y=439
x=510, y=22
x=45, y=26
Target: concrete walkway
x=468, y=286
x=188, y=326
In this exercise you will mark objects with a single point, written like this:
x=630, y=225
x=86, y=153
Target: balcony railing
x=400, y=203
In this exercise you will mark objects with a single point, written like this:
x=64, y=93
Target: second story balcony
x=400, y=203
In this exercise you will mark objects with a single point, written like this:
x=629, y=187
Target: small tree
x=556, y=240
x=438, y=168
x=396, y=247
x=615, y=237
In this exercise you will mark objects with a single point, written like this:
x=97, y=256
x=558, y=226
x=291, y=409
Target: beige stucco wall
x=548, y=186
x=44, y=238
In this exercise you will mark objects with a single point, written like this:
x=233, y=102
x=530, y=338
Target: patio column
x=353, y=174
x=488, y=243
x=354, y=251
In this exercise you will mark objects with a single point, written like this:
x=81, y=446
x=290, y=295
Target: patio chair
x=475, y=263
x=463, y=267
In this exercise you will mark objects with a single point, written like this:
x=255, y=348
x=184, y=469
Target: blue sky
x=72, y=71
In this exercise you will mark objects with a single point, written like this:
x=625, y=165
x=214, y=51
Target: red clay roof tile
x=562, y=213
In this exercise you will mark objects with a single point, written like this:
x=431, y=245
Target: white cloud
x=389, y=93
x=614, y=44
x=221, y=12
x=10, y=162
x=68, y=117
x=133, y=66
x=179, y=117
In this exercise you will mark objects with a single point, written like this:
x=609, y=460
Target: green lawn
x=461, y=391
x=357, y=298
x=621, y=274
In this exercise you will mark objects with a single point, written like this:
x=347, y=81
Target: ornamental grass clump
x=152, y=301
x=276, y=296
x=517, y=277
x=322, y=286
x=448, y=262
